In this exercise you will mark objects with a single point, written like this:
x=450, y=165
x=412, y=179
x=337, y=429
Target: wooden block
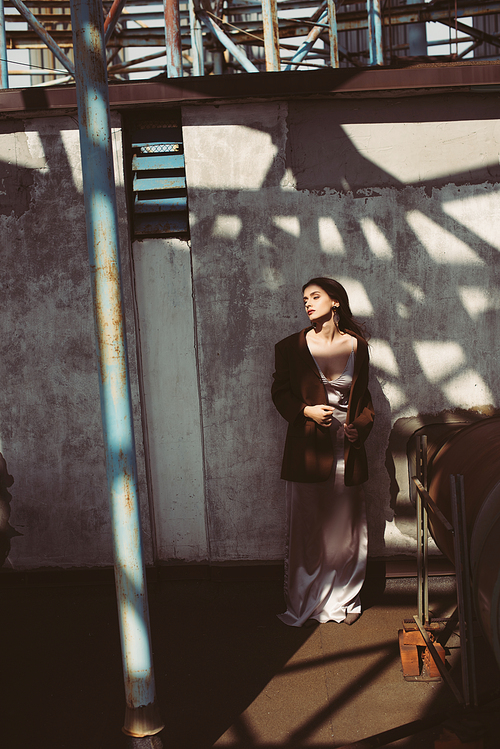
x=428, y=660
x=409, y=657
x=413, y=638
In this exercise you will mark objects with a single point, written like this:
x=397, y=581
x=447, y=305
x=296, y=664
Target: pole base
x=142, y=721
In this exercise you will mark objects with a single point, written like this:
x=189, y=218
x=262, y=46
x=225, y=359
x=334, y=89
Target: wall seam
x=200, y=405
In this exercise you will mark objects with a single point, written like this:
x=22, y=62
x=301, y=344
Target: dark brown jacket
x=308, y=455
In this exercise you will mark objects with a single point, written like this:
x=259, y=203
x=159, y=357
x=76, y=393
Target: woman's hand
x=351, y=432
x=322, y=415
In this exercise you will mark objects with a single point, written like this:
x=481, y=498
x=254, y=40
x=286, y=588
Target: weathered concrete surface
x=50, y=431
x=171, y=405
x=399, y=200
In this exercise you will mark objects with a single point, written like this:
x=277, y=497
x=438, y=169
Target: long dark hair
x=337, y=293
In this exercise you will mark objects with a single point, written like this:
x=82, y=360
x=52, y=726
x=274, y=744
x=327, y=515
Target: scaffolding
x=213, y=37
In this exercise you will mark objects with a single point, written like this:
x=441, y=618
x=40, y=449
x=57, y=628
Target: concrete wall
x=50, y=427
x=163, y=282
x=397, y=198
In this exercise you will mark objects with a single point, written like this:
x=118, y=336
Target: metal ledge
x=419, y=79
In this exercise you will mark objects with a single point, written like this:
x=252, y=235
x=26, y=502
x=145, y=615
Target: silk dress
x=327, y=537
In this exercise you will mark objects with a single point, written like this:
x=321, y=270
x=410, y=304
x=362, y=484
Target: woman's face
x=317, y=303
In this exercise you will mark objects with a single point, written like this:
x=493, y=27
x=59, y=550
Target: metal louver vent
x=159, y=179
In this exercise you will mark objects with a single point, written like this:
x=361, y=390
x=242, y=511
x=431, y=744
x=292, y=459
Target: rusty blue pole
x=4, y=75
x=375, y=49
x=197, y=52
x=333, y=34
x=141, y=714
x=173, y=43
x=271, y=34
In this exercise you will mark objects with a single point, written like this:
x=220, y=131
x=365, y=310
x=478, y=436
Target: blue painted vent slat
x=159, y=181
x=142, y=184
x=167, y=161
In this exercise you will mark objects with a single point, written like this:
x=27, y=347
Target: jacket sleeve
x=288, y=404
x=364, y=414
x=364, y=421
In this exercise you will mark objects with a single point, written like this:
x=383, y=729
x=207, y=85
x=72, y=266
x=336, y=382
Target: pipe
x=471, y=451
x=218, y=57
x=271, y=35
x=141, y=714
x=333, y=34
x=173, y=42
x=4, y=75
x=375, y=49
x=231, y=47
x=44, y=35
x=417, y=36
x=198, y=67
x=306, y=45
x=112, y=19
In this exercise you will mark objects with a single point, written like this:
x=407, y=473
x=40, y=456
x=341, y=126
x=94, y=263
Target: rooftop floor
x=228, y=672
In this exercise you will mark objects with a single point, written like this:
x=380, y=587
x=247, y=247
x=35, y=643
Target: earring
x=336, y=316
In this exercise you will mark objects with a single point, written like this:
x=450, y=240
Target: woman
x=321, y=388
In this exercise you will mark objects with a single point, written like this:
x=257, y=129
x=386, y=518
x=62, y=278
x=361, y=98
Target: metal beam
x=141, y=714
x=44, y=35
x=327, y=82
x=481, y=36
x=307, y=45
x=223, y=38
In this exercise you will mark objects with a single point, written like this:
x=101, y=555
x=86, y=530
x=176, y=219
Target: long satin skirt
x=327, y=546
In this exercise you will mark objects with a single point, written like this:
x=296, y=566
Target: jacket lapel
x=305, y=354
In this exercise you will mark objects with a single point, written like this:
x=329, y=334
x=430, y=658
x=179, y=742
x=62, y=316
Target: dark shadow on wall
x=6, y=530
x=52, y=412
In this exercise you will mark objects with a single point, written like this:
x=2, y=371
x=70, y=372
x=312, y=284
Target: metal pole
x=416, y=35
x=141, y=715
x=4, y=75
x=422, y=533
x=196, y=41
x=271, y=34
x=44, y=35
x=333, y=34
x=173, y=41
x=375, y=32
x=218, y=57
x=462, y=574
x=112, y=19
